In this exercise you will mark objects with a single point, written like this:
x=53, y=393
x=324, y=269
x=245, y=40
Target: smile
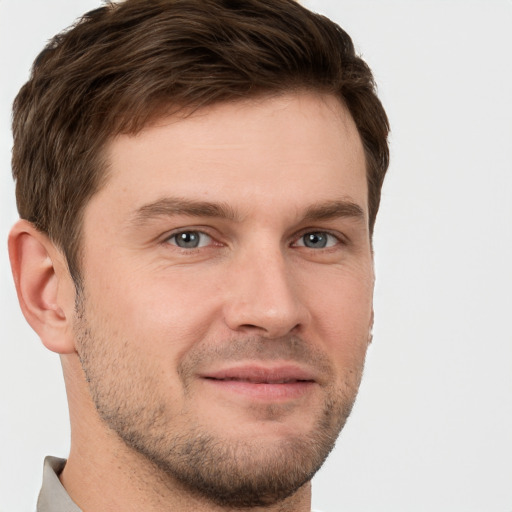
x=262, y=383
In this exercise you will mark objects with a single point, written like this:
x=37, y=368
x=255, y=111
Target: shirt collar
x=53, y=497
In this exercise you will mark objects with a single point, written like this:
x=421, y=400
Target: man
x=198, y=182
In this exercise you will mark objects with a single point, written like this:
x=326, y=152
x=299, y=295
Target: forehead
x=263, y=151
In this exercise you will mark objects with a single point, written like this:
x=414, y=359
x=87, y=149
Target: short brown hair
x=123, y=65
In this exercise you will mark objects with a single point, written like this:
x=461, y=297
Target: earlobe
x=45, y=289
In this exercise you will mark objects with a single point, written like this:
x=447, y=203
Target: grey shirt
x=53, y=497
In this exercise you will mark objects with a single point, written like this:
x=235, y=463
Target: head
x=210, y=173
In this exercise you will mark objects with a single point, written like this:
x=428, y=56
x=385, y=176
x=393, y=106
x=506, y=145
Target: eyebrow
x=167, y=207
x=334, y=210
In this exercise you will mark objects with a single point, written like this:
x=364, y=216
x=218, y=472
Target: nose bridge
x=264, y=293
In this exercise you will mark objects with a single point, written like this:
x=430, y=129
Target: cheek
x=342, y=315
x=160, y=314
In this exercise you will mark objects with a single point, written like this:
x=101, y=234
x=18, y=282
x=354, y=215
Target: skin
x=148, y=346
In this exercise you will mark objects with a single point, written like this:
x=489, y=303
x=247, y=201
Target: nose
x=264, y=296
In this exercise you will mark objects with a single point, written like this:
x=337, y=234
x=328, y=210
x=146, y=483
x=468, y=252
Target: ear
x=46, y=292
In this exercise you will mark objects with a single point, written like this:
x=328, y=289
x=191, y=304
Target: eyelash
x=339, y=240
x=175, y=236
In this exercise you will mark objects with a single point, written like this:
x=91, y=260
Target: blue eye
x=317, y=240
x=190, y=239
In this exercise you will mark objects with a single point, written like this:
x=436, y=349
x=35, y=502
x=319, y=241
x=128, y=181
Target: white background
x=432, y=428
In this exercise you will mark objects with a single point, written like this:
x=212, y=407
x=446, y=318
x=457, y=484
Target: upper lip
x=262, y=374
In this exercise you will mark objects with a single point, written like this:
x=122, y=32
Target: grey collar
x=53, y=497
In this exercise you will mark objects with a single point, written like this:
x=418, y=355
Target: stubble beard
x=229, y=472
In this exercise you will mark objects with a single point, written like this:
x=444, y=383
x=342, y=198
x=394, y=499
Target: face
x=227, y=293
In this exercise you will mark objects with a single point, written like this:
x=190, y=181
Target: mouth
x=259, y=381
x=280, y=383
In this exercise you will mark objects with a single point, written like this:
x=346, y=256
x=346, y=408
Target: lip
x=265, y=383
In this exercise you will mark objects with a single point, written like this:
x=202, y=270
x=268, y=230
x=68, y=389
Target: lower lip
x=264, y=391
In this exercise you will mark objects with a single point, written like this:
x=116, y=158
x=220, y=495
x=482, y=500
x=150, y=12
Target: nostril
x=268, y=331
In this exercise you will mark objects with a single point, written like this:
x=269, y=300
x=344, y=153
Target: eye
x=317, y=240
x=190, y=239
